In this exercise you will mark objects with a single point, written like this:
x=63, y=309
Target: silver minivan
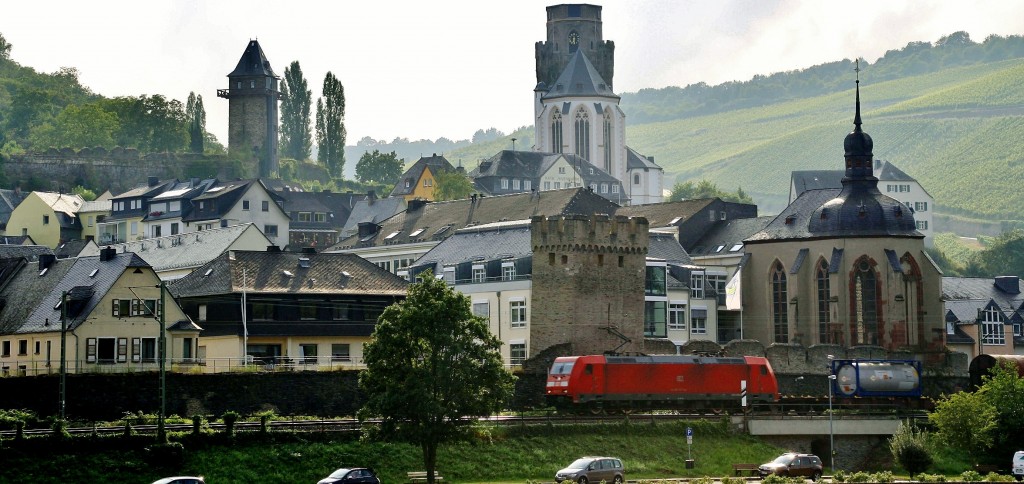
x=594, y=470
x=1018, y=464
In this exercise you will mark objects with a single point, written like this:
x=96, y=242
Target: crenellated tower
x=573, y=27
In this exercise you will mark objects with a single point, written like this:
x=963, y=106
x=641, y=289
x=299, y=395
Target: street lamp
x=831, y=438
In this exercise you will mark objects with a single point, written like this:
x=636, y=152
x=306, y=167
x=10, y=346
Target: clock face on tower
x=574, y=38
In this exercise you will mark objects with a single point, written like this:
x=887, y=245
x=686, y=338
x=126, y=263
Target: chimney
x=1007, y=284
x=46, y=260
x=367, y=229
x=371, y=195
x=309, y=250
x=194, y=182
x=273, y=249
x=107, y=253
x=153, y=181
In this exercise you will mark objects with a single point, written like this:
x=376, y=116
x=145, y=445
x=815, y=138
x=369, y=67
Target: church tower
x=573, y=27
x=252, y=96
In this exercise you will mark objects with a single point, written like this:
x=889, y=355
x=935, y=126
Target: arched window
x=556, y=131
x=825, y=331
x=865, y=303
x=780, y=304
x=913, y=300
x=608, y=140
x=582, y=133
x=636, y=179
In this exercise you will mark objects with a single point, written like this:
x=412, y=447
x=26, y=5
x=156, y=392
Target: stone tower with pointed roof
x=573, y=27
x=252, y=96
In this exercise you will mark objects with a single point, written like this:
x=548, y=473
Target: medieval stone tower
x=252, y=96
x=572, y=27
x=588, y=283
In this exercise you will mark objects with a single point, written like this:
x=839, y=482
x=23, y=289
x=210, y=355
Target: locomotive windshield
x=562, y=367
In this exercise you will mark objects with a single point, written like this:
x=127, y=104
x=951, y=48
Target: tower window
x=556, y=131
x=252, y=84
x=582, y=132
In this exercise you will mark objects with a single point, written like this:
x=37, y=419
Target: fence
x=183, y=365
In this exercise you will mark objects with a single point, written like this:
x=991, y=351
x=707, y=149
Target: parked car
x=1018, y=464
x=793, y=465
x=593, y=469
x=181, y=480
x=352, y=475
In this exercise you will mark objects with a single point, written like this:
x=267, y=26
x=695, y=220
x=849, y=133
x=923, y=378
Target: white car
x=181, y=480
x=1018, y=464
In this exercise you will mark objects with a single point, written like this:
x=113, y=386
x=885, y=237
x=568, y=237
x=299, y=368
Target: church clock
x=574, y=38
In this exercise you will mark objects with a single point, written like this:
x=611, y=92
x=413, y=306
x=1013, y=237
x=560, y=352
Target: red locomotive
x=625, y=383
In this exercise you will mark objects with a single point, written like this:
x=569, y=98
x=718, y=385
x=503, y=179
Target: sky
x=431, y=69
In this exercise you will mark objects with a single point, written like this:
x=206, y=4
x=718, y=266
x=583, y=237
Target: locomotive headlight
x=563, y=383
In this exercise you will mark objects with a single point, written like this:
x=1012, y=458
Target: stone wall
x=116, y=170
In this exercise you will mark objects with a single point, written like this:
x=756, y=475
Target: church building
x=577, y=112
x=844, y=266
x=252, y=96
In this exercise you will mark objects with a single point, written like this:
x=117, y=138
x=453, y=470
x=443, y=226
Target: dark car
x=793, y=465
x=593, y=469
x=353, y=475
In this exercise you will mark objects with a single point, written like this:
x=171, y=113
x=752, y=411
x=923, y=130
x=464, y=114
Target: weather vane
x=857, y=69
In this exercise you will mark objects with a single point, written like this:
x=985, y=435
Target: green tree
x=5, y=48
x=964, y=421
x=909, y=448
x=196, y=115
x=296, y=100
x=150, y=123
x=429, y=364
x=451, y=185
x=1004, y=390
x=706, y=189
x=330, y=126
x=379, y=167
x=86, y=194
x=82, y=126
x=1004, y=256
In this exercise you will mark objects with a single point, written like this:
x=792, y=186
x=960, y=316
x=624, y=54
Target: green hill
x=957, y=130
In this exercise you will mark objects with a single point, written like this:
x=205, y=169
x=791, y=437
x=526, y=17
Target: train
x=604, y=383
x=612, y=384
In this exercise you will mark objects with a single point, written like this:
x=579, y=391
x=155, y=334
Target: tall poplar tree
x=330, y=125
x=296, y=101
x=195, y=113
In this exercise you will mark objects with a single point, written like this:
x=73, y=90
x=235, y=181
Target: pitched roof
x=16, y=240
x=87, y=280
x=438, y=220
x=523, y=164
x=666, y=213
x=191, y=249
x=372, y=210
x=253, y=62
x=635, y=161
x=984, y=289
x=288, y=273
x=824, y=214
x=26, y=289
x=666, y=247
x=728, y=234
x=75, y=248
x=9, y=199
x=437, y=164
x=889, y=171
x=804, y=180
x=146, y=189
x=501, y=240
x=30, y=252
x=62, y=202
x=337, y=206
x=96, y=206
x=579, y=78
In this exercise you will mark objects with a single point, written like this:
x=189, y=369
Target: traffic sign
x=689, y=431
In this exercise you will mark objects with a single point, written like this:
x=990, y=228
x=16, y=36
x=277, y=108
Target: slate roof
x=521, y=164
x=9, y=200
x=437, y=164
x=663, y=214
x=183, y=192
x=372, y=210
x=75, y=248
x=438, y=220
x=268, y=273
x=728, y=234
x=579, y=78
x=96, y=206
x=146, y=190
x=802, y=219
x=16, y=240
x=225, y=196
x=666, y=247
x=636, y=161
x=337, y=206
x=501, y=240
x=29, y=252
x=253, y=62
x=804, y=180
x=191, y=249
x=26, y=289
x=889, y=171
x=982, y=290
x=88, y=279
x=64, y=207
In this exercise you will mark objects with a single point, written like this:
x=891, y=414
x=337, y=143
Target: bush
x=60, y=430
x=860, y=477
x=930, y=478
x=994, y=477
x=229, y=419
x=970, y=476
x=733, y=480
x=702, y=480
x=883, y=477
x=169, y=455
x=839, y=476
x=908, y=447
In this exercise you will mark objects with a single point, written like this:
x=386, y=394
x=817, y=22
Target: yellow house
x=49, y=218
x=111, y=306
x=90, y=215
x=418, y=180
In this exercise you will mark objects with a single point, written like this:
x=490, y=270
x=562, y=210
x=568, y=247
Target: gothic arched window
x=556, y=131
x=608, y=140
x=780, y=304
x=865, y=304
x=582, y=133
x=825, y=333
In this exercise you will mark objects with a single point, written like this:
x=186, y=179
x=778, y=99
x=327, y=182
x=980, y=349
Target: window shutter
x=117, y=308
x=122, y=350
x=135, y=307
x=90, y=346
x=136, y=350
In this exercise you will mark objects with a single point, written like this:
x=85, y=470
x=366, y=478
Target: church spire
x=856, y=117
x=858, y=144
